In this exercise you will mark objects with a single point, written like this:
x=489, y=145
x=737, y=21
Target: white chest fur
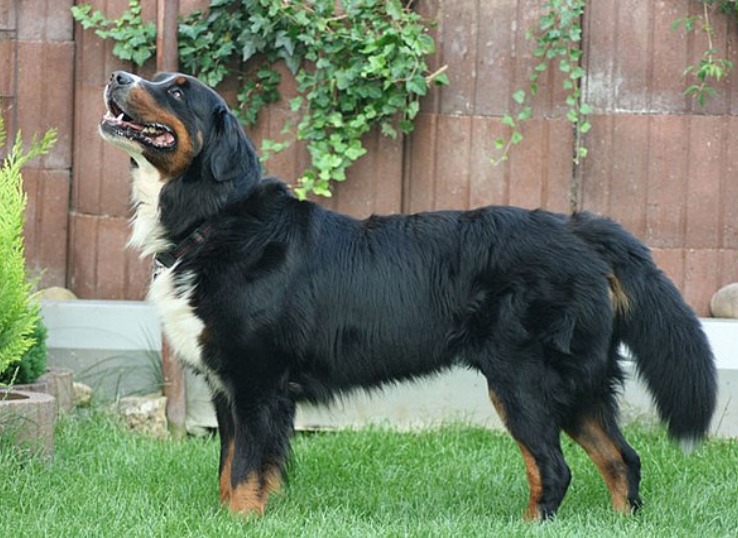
x=172, y=294
x=147, y=232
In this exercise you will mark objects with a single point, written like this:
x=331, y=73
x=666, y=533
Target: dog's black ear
x=230, y=154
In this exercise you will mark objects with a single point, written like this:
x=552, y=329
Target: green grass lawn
x=457, y=482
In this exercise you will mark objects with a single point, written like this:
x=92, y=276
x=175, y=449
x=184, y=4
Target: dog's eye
x=176, y=92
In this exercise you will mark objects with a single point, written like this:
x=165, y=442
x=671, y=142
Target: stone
x=56, y=293
x=724, y=303
x=145, y=414
x=82, y=394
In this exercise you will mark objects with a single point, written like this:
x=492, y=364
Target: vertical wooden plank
x=459, y=51
x=630, y=142
x=667, y=182
x=488, y=183
x=701, y=278
x=597, y=167
x=496, y=59
x=46, y=225
x=421, y=152
x=557, y=167
x=671, y=261
x=728, y=185
x=704, y=175
x=451, y=186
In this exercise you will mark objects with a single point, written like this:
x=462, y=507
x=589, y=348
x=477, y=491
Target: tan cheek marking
x=169, y=163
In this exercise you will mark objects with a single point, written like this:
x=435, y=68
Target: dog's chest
x=172, y=293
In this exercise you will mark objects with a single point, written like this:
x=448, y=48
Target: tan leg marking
x=605, y=455
x=534, y=482
x=498, y=406
x=251, y=495
x=225, y=476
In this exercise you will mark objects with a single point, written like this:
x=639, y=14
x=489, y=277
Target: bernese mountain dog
x=276, y=300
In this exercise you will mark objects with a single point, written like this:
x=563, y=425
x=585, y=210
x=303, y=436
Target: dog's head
x=179, y=126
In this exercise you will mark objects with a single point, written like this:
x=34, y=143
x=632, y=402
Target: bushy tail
x=663, y=333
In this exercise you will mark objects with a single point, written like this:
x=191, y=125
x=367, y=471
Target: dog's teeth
x=120, y=117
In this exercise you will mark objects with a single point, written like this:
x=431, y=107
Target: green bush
x=19, y=314
x=32, y=364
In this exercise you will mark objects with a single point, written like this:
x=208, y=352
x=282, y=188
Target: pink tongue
x=164, y=139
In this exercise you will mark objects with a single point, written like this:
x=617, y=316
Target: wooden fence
x=658, y=163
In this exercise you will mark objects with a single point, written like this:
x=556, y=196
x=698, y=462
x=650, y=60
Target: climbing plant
x=711, y=68
x=557, y=37
x=358, y=64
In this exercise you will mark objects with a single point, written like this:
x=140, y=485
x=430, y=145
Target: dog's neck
x=166, y=211
x=148, y=234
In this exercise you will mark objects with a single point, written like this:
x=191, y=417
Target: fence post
x=167, y=59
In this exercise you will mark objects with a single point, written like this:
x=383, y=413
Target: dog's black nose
x=121, y=78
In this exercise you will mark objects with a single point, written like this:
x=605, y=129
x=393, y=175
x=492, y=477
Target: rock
x=145, y=414
x=82, y=394
x=724, y=303
x=56, y=293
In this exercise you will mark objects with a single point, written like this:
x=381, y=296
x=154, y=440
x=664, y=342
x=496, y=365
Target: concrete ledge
x=120, y=341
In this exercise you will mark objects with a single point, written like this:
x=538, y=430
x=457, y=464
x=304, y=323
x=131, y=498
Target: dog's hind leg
x=615, y=459
x=537, y=432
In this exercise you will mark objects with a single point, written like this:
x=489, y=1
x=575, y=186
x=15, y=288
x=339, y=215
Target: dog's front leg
x=224, y=414
x=256, y=453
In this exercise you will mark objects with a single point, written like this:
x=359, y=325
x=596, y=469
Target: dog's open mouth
x=154, y=135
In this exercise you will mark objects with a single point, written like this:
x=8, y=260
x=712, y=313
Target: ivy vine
x=358, y=64
x=711, y=68
x=558, y=37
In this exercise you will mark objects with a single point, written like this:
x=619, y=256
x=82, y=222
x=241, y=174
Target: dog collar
x=191, y=243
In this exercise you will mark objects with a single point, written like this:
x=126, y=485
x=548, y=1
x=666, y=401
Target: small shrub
x=32, y=364
x=19, y=315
